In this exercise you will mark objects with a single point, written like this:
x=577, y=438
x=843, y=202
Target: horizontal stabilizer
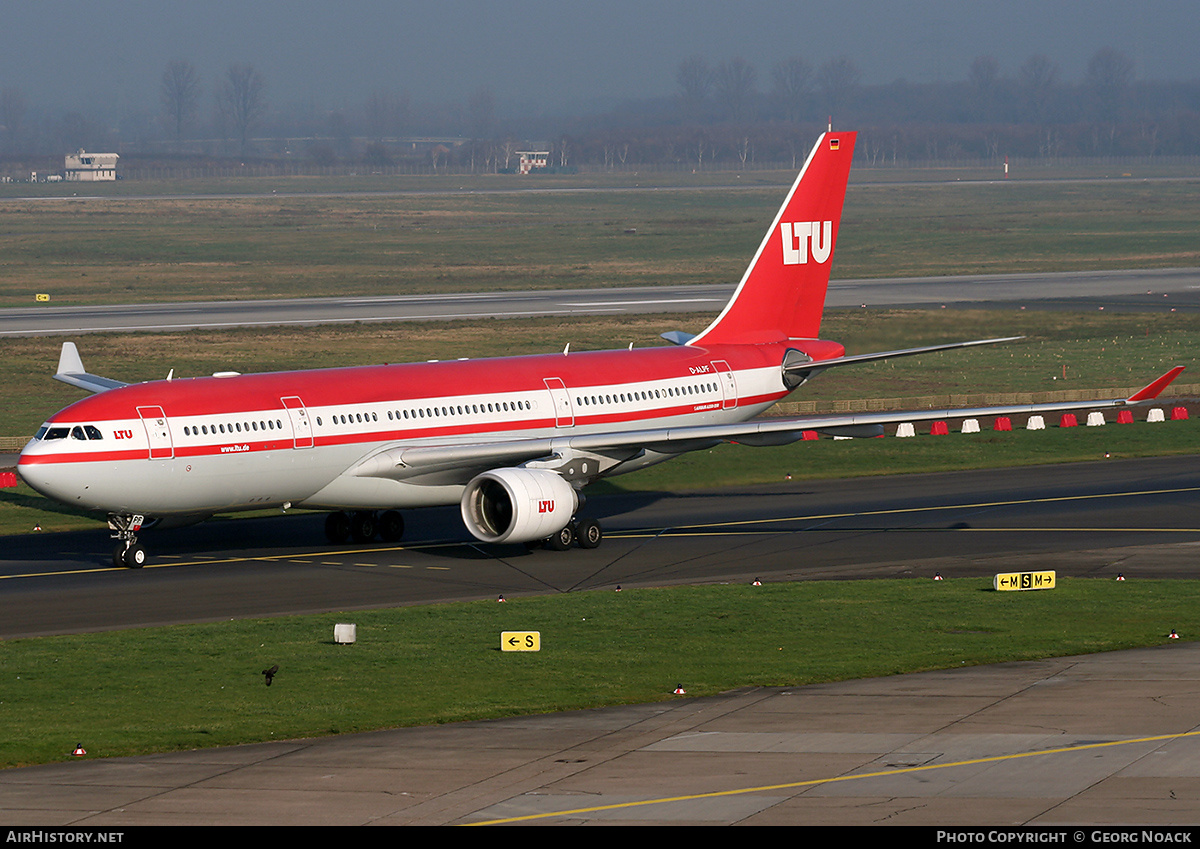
x=818, y=365
x=678, y=337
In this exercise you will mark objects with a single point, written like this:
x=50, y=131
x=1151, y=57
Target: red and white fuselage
x=197, y=446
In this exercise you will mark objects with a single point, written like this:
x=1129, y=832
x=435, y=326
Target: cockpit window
x=80, y=432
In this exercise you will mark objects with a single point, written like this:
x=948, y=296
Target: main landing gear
x=127, y=554
x=586, y=532
x=364, y=526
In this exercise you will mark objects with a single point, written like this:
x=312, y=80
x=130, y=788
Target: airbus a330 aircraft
x=512, y=440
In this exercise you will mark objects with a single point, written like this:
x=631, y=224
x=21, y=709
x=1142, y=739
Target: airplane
x=513, y=441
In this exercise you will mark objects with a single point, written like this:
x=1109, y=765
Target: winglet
x=70, y=370
x=1152, y=391
x=69, y=361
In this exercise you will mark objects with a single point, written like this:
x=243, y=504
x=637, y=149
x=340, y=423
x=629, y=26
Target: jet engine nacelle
x=517, y=505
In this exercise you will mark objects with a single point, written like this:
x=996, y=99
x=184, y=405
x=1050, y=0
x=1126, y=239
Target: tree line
x=726, y=113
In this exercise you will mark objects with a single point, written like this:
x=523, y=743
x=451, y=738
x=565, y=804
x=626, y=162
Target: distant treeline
x=721, y=115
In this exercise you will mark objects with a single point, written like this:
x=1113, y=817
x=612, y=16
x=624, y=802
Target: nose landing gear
x=127, y=554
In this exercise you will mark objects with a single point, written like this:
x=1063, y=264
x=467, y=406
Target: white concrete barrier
x=907, y=429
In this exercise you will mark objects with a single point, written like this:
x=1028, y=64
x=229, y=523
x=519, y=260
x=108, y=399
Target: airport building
x=531, y=159
x=84, y=167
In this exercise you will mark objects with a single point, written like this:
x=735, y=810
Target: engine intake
x=517, y=505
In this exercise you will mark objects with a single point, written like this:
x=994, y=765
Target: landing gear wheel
x=128, y=554
x=129, y=557
x=562, y=540
x=337, y=528
x=391, y=526
x=589, y=533
x=363, y=527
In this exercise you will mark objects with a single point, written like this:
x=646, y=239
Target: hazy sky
x=69, y=53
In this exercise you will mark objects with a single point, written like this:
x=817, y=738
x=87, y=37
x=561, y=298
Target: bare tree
x=695, y=81
x=744, y=148
x=1109, y=75
x=983, y=77
x=508, y=149
x=735, y=87
x=240, y=100
x=837, y=80
x=792, y=87
x=12, y=113
x=387, y=114
x=481, y=115
x=180, y=94
x=1037, y=79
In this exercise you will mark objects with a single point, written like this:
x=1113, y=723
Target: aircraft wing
x=71, y=370
x=451, y=463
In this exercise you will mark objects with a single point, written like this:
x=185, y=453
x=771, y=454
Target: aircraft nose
x=49, y=479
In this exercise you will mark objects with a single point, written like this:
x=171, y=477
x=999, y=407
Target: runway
x=1156, y=290
x=1095, y=519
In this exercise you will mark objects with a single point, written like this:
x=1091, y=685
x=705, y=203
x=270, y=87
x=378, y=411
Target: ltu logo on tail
x=802, y=237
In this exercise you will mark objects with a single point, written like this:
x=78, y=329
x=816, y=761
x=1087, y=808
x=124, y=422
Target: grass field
x=121, y=249
x=195, y=686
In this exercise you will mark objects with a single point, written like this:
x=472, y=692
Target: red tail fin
x=782, y=293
